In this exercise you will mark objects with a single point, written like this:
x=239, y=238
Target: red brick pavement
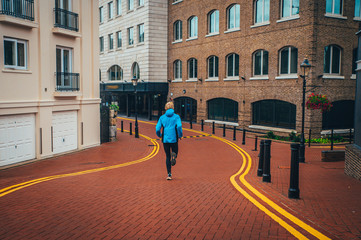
x=136, y=202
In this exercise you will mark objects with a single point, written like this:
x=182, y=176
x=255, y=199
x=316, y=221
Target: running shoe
x=173, y=158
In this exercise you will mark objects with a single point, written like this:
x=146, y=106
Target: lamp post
x=135, y=82
x=305, y=68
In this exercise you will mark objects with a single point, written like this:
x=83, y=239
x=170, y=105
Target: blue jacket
x=169, y=121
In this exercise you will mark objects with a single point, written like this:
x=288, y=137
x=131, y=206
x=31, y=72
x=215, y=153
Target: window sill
x=110, y=50
x=18, y=21
x=330, y=15
x=222, y=122
x=139, y=7
x=130, y=46
x=212, y=34
x=357, y=18
x=67, y=94
x=231, y=78
x=330, y=76
x=119, y=49
x=118, y=16
x=177, y=80
x=273, y=129
x=191, y=39
x=141, y=44
x=259, y=78
x=176, y=2
x=130, y=11
x=353, y=76
x=177, y=41
x=260, y=24
x=285, y=19
x=65, y=32
x=14, y=70
x=233, y=30
x=212, y=80
x=192, y=80
x=287, y=76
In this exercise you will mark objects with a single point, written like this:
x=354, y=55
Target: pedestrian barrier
x=255, y=143
x=202, y=125
x=130, y=128
x=213, y=130
x=234, y=133
x=121, y=126
x=266, y=176
x=224, y=130
x=294, y=191
x=244, y=137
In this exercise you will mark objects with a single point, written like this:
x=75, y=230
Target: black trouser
x=168, y=147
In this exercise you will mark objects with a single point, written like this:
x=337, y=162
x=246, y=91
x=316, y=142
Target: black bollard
x=202, y=123
x=190, y=123
x=350, y=136
x=309, y=138
x=267, y=161
x=234, y=133
x=255, y=143
x=260, y=159
x=244, y=137
x=331, y=139
x=212, y=127
x=121, y=126
x=224, y=130
x=294, y=191
x=130, y=129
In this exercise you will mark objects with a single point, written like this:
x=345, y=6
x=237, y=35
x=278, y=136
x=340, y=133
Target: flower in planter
x=318, y=101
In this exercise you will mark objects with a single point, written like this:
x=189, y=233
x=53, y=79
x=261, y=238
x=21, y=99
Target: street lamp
x=135, y=82
x=305, y=67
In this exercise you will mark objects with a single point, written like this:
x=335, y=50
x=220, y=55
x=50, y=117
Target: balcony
x=67, y=84
x=65, y=19
x=19, y=12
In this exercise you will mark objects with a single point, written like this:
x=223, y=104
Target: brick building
x=239, y=61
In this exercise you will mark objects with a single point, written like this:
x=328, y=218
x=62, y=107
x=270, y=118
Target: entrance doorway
x=186, y=108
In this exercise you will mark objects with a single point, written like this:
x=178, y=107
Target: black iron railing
x=18, y=8
x=66, y=19
x=67, y=81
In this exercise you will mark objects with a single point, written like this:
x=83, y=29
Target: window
x=288, y=60
x=62, y=4
x=262, y=11
x=101, y=16
x=332, y=60
x=260, y=63
x=15, y=53
x=177, y=67
x=222, y=109
x=193, y=27
x=130, y=36
x=213, y=22
x=115, y=73
x=111, y=41
x=192, y=68
x=110, y=10
x=140, y=2
x=18, y=8
x=119, y=39
x=334, y=7
x=136, y=70
x=357, y=8
x=177, y=27
x=354, y=60
x=233, y=14
x=274, y=113
x=64, y=76
x=141, y=33
x=119, y=7
x=290, y=8
x=101, y=43
x=130, y=5
x=233, y=65
x=212, y=67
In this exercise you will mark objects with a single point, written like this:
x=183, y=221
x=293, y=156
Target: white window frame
x=333, y=8
x=177, y=28
x=101, y=14
x=101, y=44
x=119, y=7
x=15, y=53
x=263, y=11
x=119, y=39
x=130, y=5
x=262, y=62
x=141, y=35
x=289, y=62
x=214, y=67
x=193, y=27
x=234, y=20
x=194, y=70
x=357, y=9
x=110, y=10
x=131, y=36
x=291, y=15
x=136, y=70
x=331, y=60
x=116, y=73
x=70, y=64
x=63, y=4
x=111, y=41
x=140, y=3
x=213, y=24
x=177, y=69
x=233, y=55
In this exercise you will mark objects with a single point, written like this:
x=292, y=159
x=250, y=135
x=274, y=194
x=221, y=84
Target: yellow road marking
x=19, y=186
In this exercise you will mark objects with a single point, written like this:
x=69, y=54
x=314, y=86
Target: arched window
x=288, y=60
x=213, y=21
x=260, y=63
x=177, y=69
x=290, y=8
x=261, y=9
x=193, y=27
x=177, y=28
x=341, y=115
x=212, y=67
x=233, y=16
x=332, y=60
x=135, y=70
x=233, y=65
x=222, y=109
x=192, y=68
x=274, y=113
x=115, y=73
x=186, y=108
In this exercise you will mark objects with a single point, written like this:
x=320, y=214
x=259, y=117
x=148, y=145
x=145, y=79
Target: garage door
x=65, y=131
x=17, y=138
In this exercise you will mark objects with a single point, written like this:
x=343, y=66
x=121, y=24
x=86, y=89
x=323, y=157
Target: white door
x=17, y=138
x=65, y=131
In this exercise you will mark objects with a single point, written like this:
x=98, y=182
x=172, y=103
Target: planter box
x=333, y=155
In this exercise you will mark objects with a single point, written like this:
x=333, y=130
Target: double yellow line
x=13, y=188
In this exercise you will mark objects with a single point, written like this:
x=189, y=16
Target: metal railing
x=65, y=19
x=67, y=81
x=18, y=8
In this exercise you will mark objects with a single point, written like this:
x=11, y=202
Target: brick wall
x=353, y=161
